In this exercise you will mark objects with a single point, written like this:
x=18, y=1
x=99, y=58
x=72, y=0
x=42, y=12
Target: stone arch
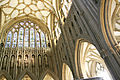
x=26, y=72
x=110, y=44
x=53, y=75
x=6, y=75
x=85, y=50
x=67, y=69
x=106, y=25
x=8, y=25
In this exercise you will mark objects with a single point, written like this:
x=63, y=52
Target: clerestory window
x=26, y=34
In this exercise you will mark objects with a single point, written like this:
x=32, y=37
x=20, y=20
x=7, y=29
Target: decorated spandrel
x=37, y=40
x=26, y=37
x=14, y=40
x=32, y=38
x=21, y=35
x=8, y=41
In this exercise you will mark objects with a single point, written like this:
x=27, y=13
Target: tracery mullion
x=35, y=36
x=45, y=40
x=17, y=38
x=0, y=17
x=40, y=39
x=24, y=38
x=12, y=39
x=29, y=39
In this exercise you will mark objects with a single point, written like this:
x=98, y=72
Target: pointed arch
x=5, y=74
x=48, y=77
x=50, y=73
x=66, y=72
x=88, y=60
x=26, y=77
x=8, y=25
x=26, y=72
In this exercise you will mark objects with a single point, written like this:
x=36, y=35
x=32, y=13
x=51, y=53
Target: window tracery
x=26, y=34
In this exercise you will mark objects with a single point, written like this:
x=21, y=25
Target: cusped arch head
x=26, y=72
x=8, y=25
x=67, y=73
x=50, y=73
x=6, y=75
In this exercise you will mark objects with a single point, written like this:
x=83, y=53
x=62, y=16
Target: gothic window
x=32, y=38
x=21, y=35
x=8, y=41
x=14, y=40
x=26, y=37
x=38, y=39
x=26, y=34
x=43, y=39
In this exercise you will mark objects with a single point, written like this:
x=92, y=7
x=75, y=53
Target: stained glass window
x=21, y=35
x=37, y=40
x=8, y=41
x=26, y=37
x=14, y=40
x=43, y=40
x=26, y=34
x=32, y=38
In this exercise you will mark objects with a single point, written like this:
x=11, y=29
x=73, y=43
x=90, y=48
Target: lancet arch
x=5, y=76
x=48, y=74
x=26, y=74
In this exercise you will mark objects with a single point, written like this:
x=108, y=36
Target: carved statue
x=39, y=60
x=33, y=60
x=12, y=61
x=5, y=62
x=46, y=60
x=26, y=61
